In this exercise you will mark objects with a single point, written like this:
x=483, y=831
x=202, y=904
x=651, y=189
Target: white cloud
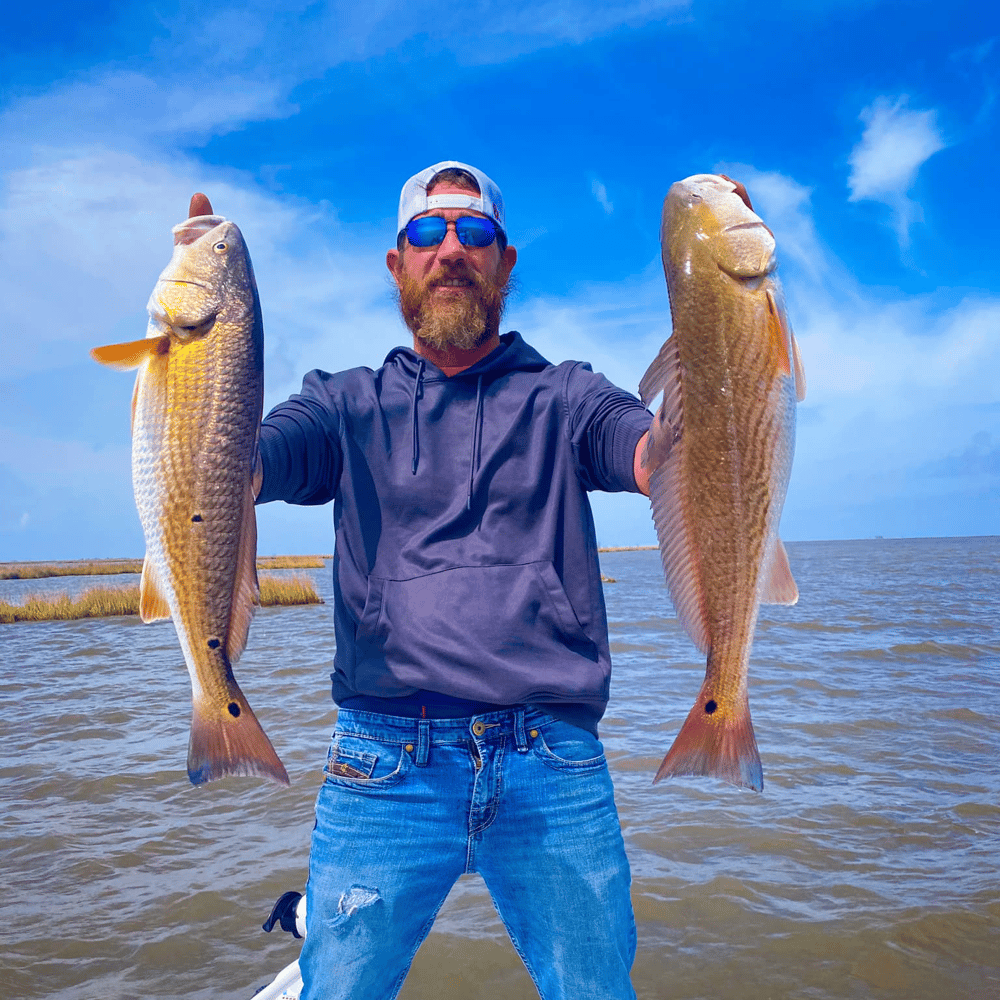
x=600, y=192
x=86, y=236
x=884, y=164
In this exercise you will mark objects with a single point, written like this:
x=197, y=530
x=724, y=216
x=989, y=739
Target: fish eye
x=221, y=247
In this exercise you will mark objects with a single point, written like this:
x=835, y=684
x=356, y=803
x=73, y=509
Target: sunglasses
x=471, y=230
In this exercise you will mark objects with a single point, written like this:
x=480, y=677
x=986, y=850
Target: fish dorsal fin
x=780, y=587
x=662, y=371
x=127, y=356
x=664, y=457
x=153, y=606
x=246, y=591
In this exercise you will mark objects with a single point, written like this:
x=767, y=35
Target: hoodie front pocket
x=497, y=633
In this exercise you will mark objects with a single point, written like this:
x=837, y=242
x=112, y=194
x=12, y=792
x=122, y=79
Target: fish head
x=712, y=214
x=209, y=271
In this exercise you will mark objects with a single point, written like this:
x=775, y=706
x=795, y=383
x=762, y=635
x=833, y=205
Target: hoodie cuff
x=628, y=432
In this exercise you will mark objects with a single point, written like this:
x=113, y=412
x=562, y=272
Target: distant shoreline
x=627, y=548
x=44, y=569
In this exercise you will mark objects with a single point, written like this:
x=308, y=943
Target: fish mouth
x=756, y=224
x=184, y=281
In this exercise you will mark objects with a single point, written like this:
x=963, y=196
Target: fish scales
x=196, y=413
x=731, y=377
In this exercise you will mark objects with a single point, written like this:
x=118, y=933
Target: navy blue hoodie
x=465, y=559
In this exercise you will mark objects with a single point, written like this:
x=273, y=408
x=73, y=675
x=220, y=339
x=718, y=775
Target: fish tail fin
x=715, y=742
x=227, y=739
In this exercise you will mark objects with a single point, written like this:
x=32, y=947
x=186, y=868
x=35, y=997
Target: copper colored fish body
x=720, y=456
x=195, y=416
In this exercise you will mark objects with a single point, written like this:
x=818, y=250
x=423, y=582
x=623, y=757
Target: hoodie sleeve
x=300, y=446
x=605, y=425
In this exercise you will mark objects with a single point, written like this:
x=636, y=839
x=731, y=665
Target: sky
x=865, y=132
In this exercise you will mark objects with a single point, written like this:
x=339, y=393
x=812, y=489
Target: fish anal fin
x=124, y=357
x=227, y=739
x=246, y=590
x=717, y=743
x=780, y=587
x=153, y=606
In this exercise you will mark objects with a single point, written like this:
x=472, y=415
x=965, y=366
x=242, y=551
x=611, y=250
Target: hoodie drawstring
x=477, y=431
x=476, y=439
x=417, y=384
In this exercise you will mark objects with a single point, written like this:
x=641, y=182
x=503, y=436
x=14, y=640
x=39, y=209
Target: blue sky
x=865, y=132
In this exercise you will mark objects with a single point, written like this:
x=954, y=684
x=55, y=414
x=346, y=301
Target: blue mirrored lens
x=426, y=232
x=475, y=232
x=472, y=231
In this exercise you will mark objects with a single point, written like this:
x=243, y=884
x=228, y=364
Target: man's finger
x=740, y=190
x=200, y=205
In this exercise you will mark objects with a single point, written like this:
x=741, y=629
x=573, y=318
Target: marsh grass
x=291, y=562
x=77, y=567
x=628, y=548
x=110, y=567
x=106, y=602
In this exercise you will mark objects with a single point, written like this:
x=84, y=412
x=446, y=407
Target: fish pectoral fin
x=124, y=357
x=780, y=587
x=246, y=589
x=153, y=606
x=800, y=372
x=226, y=738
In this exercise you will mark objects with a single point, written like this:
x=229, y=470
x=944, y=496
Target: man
x=472, y=662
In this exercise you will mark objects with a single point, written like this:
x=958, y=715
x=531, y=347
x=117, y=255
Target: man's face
x=452, y=295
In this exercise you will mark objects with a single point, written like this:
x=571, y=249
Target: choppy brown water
x=867, y=868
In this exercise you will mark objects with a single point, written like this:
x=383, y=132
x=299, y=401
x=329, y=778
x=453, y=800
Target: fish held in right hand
x=719, y=454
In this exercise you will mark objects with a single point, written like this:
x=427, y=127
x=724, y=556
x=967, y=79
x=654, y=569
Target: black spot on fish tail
x=711, y=705
x=234, y=710
x=197, y=518
x=214, y=643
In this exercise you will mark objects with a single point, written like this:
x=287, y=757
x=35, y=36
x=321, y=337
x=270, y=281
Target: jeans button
x=478, y=728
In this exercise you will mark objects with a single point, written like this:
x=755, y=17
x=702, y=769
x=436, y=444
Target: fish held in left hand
x=196, y=414
x=720, y=454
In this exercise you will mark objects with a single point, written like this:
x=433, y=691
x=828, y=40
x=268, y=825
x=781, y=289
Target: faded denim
x=407, y=806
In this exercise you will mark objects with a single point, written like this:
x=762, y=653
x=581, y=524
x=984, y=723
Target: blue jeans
x=408, y=805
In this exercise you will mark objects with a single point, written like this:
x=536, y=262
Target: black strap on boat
x=283, y=912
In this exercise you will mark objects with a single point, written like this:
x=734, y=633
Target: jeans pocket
x=566, y=747
x=363, y=762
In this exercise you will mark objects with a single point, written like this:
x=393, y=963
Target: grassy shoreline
x=110, y=567
x=107, y=602
x=628, y=548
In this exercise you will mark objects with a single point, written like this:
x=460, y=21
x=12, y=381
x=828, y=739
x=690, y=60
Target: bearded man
x=472, y=662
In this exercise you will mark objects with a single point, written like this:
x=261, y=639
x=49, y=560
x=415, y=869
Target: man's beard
x=464, y=322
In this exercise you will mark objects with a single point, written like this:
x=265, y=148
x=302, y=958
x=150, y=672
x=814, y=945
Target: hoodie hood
x=513, y=354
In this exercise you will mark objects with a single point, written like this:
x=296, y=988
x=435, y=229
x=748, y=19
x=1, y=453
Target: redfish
x=720, y=455
x=196, y=413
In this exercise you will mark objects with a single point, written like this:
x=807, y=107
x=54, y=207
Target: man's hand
x=641, y=472
x=257, y=476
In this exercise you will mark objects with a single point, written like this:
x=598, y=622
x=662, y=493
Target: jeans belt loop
x=519, y=734
x=423, y=741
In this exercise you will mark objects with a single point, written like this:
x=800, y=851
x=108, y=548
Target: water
x=866, y=869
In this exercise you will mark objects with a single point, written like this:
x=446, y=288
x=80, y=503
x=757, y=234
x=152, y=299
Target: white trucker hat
x=414, y=198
